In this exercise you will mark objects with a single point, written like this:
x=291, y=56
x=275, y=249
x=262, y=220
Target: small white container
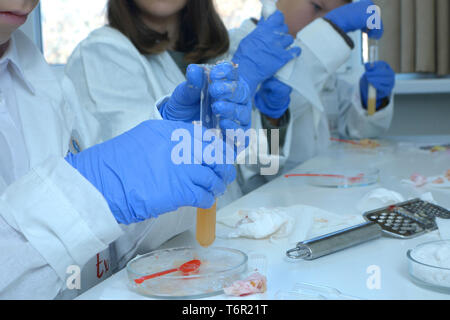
x=429, y=265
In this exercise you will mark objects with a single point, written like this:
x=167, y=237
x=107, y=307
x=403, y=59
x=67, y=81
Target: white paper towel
x=259, y=223
x=380, y=198
x=377, y=199
x=296, y=223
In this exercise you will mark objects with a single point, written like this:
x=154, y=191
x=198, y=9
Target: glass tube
x=206, y=218
x=372, y=95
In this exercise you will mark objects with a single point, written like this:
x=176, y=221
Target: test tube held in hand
x=206, y=226
x=206, y=218
x=372, y=94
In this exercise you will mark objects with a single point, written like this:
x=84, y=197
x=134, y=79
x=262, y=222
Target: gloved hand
x=229, y=91
x=273, y=98
x=382, y=77
x=184, y=104
x=140, y=175
x=354, y=16
x=265, y=51
x=231, y=97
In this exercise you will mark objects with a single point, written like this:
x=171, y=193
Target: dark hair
x=202, y=34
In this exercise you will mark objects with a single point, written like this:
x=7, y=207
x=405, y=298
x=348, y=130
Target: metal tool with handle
x=405, y=220
x=336, y=241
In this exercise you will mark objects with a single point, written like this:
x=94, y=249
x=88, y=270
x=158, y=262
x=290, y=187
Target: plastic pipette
x=372, y=96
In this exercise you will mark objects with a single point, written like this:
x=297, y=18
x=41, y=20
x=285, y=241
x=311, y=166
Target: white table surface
x=345, y=270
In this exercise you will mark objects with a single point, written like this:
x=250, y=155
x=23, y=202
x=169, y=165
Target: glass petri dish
x=429, y=273
x=344, y=178
x=220, y=268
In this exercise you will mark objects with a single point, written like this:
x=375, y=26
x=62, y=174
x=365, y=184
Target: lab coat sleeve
x=323, y=52
x=354, y=121
x=114, y=81
x=25, y=274
x=57, y=219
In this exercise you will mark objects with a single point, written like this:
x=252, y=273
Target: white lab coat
x=52, y=217
x=121, y=87
x=318, y=94
x=116, y=83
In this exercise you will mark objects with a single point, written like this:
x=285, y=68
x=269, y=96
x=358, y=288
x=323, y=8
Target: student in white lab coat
x=60, y=206
x=122, y=70
x=314, y=97
x=111, y=66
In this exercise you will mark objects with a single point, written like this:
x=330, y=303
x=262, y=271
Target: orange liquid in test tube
x=372, y=98
x=206, y=226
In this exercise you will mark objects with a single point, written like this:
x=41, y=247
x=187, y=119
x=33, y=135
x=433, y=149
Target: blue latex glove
x=232, y=101
x=139, y=177
x=382, y=77
x=265, y=51
x=229, y=91
x=184, y=104
x=353, y=17
x=273, y=98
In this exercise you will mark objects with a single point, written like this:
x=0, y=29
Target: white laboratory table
x=345, y=270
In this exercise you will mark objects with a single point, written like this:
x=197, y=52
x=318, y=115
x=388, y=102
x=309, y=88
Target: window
x=67, y=22
x=234, y=12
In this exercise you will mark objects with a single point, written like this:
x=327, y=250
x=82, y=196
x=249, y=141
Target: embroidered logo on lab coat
x=75, y=146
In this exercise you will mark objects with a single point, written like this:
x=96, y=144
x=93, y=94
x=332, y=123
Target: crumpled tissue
x=255, y=283
x=296, y=223
x=259, y=223
x=417, y=180
x=380, y=198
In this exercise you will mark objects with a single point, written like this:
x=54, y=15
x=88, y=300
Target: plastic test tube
x=372, y=96
x=206, y=218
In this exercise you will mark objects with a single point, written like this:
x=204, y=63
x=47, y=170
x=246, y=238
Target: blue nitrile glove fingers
x=273, y=98
x=223, y=70
x=265, y=51
x=140, y=175
x=382, y=77
x=184, y=104
x=231, y=96
x=355, y=16
x=233, y=106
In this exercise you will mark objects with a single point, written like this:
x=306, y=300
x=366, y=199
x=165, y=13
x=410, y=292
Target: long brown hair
x=202, y=34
